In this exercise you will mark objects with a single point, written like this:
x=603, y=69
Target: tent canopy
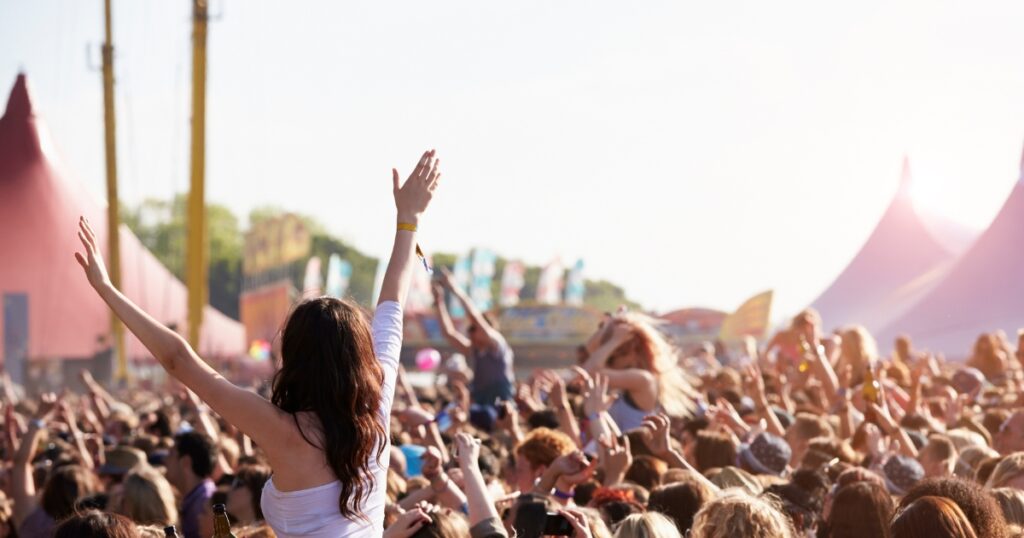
x=39, y=210
x=982, y=292
x=899, y=263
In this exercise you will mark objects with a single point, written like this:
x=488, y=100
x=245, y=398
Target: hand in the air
x=413, y=197
x=92, y=260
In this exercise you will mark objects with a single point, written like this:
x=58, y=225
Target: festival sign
x=575, y=288
x=312, y=282
x=339, y=274
x=542, y=324
x=275, y=242
x=462, y=272
x=263, y=310
x=750, y=319
x=483, y=274
x=512, y=281
x=549, y=285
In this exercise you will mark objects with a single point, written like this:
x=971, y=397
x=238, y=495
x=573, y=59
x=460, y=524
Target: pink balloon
x=428, y=359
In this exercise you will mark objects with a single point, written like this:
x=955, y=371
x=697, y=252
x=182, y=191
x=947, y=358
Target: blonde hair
x=148, y=498
x=1011, y=500
x=1009, y=468
x=858, y=347
x=647, y=525
x=736, y=513
x=675, y=395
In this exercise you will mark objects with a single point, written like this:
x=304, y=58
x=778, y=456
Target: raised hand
x=616, y=458
x=467, y=449
x=596, y=398
x=413, y=197
x=657, y=434
x=579, y=522
x=48, y=405
x=408, y=524
x=92, y=260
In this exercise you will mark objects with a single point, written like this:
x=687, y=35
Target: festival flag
x=420, y=298
x=462, y=272
x=378, y=281
x=312, y=283
x=339, y=273
x=750, y=319
x=575, y=289
x=512, y=281
x=483, y=274
x=549, y=285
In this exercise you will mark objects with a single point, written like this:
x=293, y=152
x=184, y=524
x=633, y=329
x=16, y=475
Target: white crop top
x=313, y=512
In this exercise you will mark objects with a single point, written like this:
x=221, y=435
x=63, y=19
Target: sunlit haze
x=695, y=153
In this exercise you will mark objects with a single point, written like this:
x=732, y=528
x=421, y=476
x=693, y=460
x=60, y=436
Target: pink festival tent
x=43, y=289
x=901, y=261
x=983, y=292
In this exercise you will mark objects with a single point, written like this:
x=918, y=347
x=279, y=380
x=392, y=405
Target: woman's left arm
x=411, y=200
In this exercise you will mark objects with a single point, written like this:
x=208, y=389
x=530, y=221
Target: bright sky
x=695, y=152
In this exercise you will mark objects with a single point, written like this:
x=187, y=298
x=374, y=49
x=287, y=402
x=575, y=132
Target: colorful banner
x=339, y=274
x=575, y=288
x=567, y=325
x=512, y=280
x=313, y=282
x=750, y=319
x=262, y=311
x=483, y=274
x=420, y=298
x=275, y=242
x=462, y=273
x=549, y=285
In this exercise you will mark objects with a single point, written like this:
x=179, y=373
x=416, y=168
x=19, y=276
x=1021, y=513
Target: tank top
x=314, y=512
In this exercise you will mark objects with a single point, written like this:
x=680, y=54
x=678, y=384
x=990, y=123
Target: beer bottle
x=221, y=524
x=805, y=348
x=170, y=532
x=871, y=388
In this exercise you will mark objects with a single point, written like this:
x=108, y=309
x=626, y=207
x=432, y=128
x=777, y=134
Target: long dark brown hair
x=328, y=368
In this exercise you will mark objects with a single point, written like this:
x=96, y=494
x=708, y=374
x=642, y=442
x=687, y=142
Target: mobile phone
x=557, y=525
x=531, y=519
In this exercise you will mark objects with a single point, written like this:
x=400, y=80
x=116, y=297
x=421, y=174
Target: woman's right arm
x=250, y=412
x=454, y=337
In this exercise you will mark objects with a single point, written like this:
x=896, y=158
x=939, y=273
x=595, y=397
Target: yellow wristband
x=405, y=226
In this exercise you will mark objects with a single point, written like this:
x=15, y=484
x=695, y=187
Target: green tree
x=161, y=226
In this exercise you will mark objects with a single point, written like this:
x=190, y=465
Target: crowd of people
x=814, y=434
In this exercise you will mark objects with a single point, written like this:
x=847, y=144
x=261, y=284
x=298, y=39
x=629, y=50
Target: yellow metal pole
x=113, y=216
x=196, y=276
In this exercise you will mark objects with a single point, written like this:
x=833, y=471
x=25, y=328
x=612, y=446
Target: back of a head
x=646, y=471
x=329, y=369
x=1008, y=472
x=96, y=524
x=977, y=504
x=444, y=524
x=200, y=448
x=647, y=525
x=714, y=449
x=860, y=509
x=680, y=501
x=932, y=517
x=543, y=446
x=736, y=514
x=148, y=498
x=1011, y=501
x=807, y=426
x=66, y=485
